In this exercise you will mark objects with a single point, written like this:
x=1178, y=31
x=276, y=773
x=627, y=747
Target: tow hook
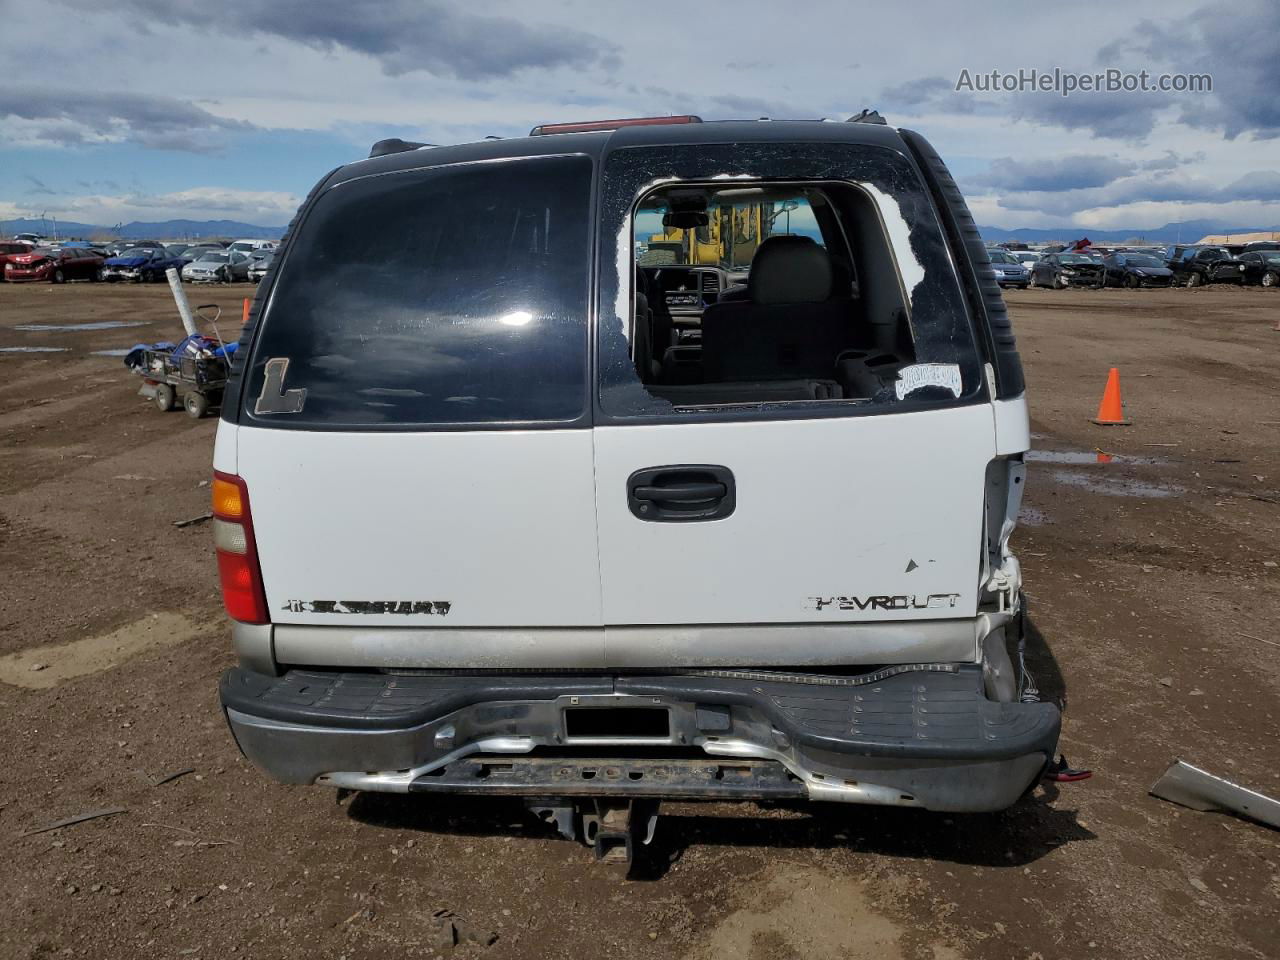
x=1061, y=772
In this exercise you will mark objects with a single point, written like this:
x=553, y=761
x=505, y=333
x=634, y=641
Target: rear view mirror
x=685, y=219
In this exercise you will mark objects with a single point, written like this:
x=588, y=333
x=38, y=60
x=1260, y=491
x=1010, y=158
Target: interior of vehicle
x=765, y=293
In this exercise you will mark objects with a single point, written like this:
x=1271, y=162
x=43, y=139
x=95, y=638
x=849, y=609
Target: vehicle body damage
x=745, y=536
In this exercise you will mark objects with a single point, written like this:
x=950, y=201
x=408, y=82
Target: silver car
x=258, y=268
x=217, y=267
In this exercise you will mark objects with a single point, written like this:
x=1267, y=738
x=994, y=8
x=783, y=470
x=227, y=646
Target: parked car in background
x=177, y=249
x=258, y=269
x=1062, y=270
x=55, y=266
x=1009, y=270
x=140, y=264
x=1253, y=245
x=1028, y=258
x=1197, y=266
x=222, y=266
x=32, y=239
x=1261, y=266
x=247, y=247
x=1135, y=270
x=11, y=248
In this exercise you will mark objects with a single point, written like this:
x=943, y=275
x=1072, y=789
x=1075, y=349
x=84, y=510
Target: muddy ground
x=1154, y=593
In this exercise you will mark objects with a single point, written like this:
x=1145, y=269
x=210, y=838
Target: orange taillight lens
x=227, y=501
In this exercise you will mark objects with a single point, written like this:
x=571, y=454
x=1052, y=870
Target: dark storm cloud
x=402, y=35
x=928, y=93
x=1237, y=45
x=1261, y=186
x=73, y=117
x=1123, y=116
x=1073, y=172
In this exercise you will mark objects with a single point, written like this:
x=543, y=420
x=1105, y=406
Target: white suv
x=500, y=510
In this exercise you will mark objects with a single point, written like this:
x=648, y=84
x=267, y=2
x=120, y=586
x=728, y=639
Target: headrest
x=789, y=269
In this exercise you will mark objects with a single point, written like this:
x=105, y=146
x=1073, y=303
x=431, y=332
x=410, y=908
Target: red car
x=11, y=248
x=56, y=266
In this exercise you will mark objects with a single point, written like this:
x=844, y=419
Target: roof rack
x=867, y=116
x=591, y=126
x=394, y=145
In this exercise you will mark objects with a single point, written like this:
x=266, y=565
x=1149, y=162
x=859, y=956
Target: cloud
x=1061, y=173
x=926, y=94
x=41, y=116
x=1120, y=115
x=1236, y=46
x=1262, y=186
x=402, y=35
x=262, y=207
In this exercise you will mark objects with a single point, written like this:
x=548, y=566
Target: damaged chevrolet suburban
x=633, y=461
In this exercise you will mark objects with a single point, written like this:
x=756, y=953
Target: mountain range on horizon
x=142, y=230
x=1186, y=231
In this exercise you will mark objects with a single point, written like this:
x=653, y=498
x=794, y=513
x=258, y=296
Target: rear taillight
x=238, y=570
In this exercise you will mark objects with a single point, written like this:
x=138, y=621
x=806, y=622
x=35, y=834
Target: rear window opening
x=766, y=293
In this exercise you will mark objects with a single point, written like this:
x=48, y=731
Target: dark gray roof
x=597, y=144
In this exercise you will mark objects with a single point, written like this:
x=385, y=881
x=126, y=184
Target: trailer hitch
x=614, y=827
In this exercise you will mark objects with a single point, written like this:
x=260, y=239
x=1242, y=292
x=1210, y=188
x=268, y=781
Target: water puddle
x=77, y=327
x=124, y=352
x=34, y=349
x=43, y=667
x=1111, y=486
x=1082, y=457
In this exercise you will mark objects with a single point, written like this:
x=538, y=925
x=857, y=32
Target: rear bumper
x=922, y=736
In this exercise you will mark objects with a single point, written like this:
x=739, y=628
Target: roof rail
x=394, y=145
x=867, y=116
x=590, y=126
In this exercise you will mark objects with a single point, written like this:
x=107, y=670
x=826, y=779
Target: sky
x=160, y=109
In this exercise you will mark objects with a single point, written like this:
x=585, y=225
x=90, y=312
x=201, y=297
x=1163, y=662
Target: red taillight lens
x=238, y=571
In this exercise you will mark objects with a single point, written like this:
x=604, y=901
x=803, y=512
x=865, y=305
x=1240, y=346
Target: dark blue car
x=140, y=264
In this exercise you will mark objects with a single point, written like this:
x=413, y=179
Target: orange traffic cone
x=244, y=312
x=1111, y=410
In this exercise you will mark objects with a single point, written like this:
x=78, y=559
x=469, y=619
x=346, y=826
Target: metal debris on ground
x=1197, y=789
x=188, y=522
x=169, y=777
x=72, y=821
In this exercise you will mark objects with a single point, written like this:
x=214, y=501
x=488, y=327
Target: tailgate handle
x=681, y=493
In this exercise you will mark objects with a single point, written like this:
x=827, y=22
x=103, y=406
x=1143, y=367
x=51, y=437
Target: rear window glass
x=438, y=296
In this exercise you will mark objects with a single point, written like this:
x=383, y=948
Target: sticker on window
x=918, y=376
x=274, y=398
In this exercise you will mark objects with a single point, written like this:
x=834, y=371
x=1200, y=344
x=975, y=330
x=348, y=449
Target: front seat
x=789, y=327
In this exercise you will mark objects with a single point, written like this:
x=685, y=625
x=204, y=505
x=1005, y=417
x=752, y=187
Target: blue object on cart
x=133, y=359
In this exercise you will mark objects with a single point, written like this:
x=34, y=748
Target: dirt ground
x=1154, y=594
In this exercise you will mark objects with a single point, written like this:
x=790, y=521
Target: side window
x=449, y=295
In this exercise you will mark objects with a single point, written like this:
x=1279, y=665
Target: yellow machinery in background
x=730, y=237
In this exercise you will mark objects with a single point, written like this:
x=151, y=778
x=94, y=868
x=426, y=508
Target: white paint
x=825, y=507
x=909, y=266
x=1013, y=426
x=920, y=375
x=180, y=298
x=500, y=524
x=224, y=447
